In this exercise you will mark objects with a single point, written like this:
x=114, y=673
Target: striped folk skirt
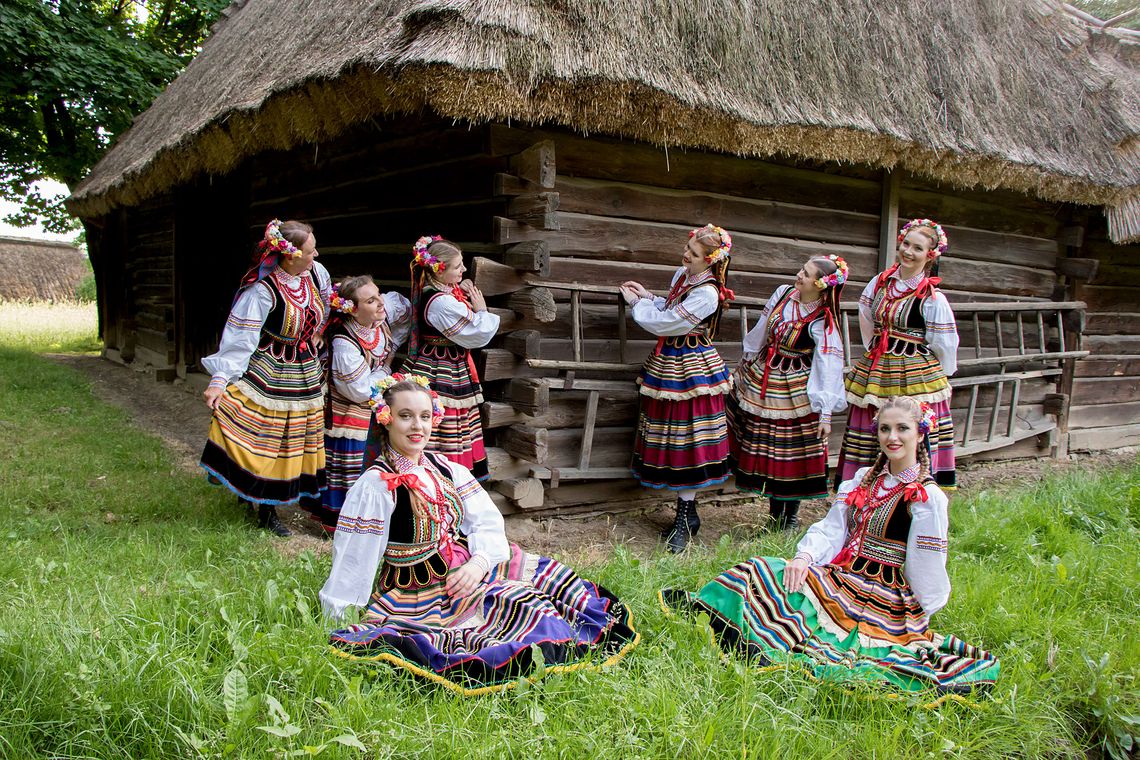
x=266, y=440
x=459, y=436
x=682, y=429
x=346, y=435
x=840, y=626
x=861, y=444
x=534, y=615
x=773, y=438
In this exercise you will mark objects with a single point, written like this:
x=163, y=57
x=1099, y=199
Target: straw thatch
x=40, y=270
x=1016, y=94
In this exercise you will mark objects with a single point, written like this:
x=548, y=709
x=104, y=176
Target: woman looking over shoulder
x=366, y=329
x=911, y=342
x=855, y=601
x=450, y=318
x=420, y=548
x=682, y=432
x=266, y=440
x=787, y=387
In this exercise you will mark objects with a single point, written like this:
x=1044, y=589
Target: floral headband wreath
x=836, y=278
x=927, y=419
x=341, y=304
x=425, y=259
x=941, y=243
x=383, y=412
x=275, y=241
x=722, y=251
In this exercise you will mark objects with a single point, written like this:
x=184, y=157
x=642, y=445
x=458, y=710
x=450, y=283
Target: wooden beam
x=526, y=443
x=530, y=395
x=534, y=303
x=496, y=364
x=530, y=256
x=524, y=343
x=536, y=164
x=526, y=493
x=535, y=209
x=494, y=278
x=889, y=218
x=1078, y=269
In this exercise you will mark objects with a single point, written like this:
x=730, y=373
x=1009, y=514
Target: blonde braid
x=876, y=469
x=923, y=464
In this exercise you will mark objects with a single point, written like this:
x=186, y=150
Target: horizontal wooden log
x=1110, y=297
x=1116, y=365
x=497, y=414
x=536, y=163
x=511, y=185
x=523, y=343
x=1112, y=323
x=156, y=359
x=535, y=304
x=1106, y=390
x=567, y=409
x=1078, y=269
x=1104, y=438
x=1111, y=344
x=536, y=210
x=647, y=242
x=953, y=210
x=530, y=256
x=493, y=278
x=625, y=161
x=502, y=465
x=526, y=493
x=496, y=364
x=765, y=217
x=1103, y=415
x=612, y=447
x=1072, y=236
x=526, y=443
x=528, y=395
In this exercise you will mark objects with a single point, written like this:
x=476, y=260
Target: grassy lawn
x=142, y=616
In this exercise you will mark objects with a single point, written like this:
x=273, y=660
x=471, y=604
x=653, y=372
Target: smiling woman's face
x=898, y=437
x=410, y=428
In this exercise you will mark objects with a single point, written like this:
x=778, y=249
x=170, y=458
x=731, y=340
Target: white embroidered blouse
x=350, y=374
x=655, y=316
x=941, y=328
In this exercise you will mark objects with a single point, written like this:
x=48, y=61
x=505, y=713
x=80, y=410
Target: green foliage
x=73, y=75
x=85, y=292
x=142, y=616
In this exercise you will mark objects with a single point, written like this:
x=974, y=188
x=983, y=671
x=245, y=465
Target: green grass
x=142, y=616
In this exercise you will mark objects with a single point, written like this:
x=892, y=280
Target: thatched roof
x=40, y=270
x=1017, y=94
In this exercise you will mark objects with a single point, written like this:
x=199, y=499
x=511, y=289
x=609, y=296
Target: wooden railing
x=1013, y=345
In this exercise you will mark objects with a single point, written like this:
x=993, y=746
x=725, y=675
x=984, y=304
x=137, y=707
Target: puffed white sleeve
x=358, y=544
x=867, y=314
x=941, y=331
x=926, y=550
x=825, y=382
x=698, y=304
x=482, y=522
x=825, y=538
x=324, y=285
x=459, y=324
x=240, y=336
x=398, y=311
x=350, y=374
x=757, y=337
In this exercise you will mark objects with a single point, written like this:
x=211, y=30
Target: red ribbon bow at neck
x=396, y=479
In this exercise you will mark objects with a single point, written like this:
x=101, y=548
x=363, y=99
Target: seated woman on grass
x=420, y=548
x=855, y=601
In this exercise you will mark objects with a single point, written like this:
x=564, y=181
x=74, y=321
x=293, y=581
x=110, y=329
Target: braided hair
x=912, y=408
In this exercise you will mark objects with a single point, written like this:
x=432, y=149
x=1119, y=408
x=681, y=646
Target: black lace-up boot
x=684, y=528
x=788, y=516
x=267, y=518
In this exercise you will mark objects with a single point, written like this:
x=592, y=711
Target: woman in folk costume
x=855, y=602
x=682, y=432
x=266, y=440
x=366, y=329
x=451, y=318
x=911, y=343
x=786, y=389
x=420, y=549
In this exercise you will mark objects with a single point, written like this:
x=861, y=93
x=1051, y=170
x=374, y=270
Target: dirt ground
x=177, y=415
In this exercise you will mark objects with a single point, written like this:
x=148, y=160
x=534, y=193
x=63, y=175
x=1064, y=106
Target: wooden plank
x=1109, y=323
x=1103, y=415
x=599, y=157
x=529, y=395
x=740, y=215
x=953, y=211
x=524, y=343
x=493, y=278
x=576, y=473
x=566, y=410
x=535, y=304
x=889, y=219
x=999, y=442
x=1109, y=297
x=1112, y=344
x=645, y=242
x=1105, y=365
x=526, y=443
x=1105, y=390
x=496, y=364
x=536, y=163
x=1014, y=359
x=529, y=256
x=1105, y=438
x=536, y=210
x=526, y=493
x=1078, y=269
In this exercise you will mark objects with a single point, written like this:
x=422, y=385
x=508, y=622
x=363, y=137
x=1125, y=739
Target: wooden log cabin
x=569, y=147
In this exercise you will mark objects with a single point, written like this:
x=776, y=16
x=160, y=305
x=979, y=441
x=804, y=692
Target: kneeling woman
x=855, y=601
x=420, y=547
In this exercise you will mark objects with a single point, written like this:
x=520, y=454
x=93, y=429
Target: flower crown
x=425, y=259
x=927, y=421
x=383, y=412
x=343, y=305
x=722, y=251
x=941, y=244
x=836, y=278
x=275, y=241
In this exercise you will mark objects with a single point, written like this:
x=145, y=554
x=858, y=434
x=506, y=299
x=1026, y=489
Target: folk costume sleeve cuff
x=825, y=390
x=358, y=544
x=926, y=549
x=461, y=325
x=941, y=331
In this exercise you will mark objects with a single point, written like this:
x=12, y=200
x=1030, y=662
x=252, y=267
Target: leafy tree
x=73, y=75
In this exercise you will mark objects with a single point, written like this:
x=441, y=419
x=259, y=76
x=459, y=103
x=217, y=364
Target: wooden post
x=889, y=218
x=588, y=430
x=529, y=256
